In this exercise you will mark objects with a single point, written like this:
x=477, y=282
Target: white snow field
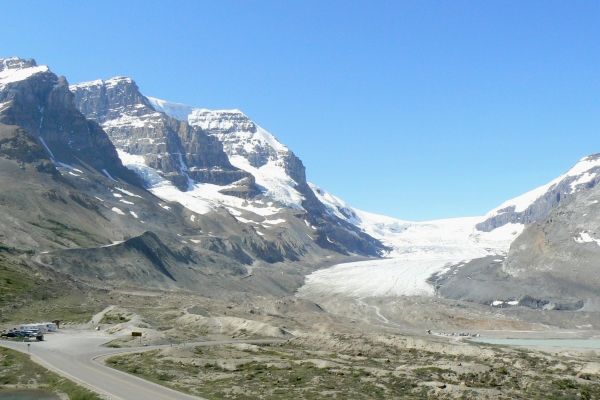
x=453, y=238
x=377, y=278
x=418, y=250
x=201, y=198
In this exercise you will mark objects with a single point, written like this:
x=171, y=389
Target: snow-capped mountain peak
x=249, y=147
x=175, y=110
x=537, y=203
x=15, y=69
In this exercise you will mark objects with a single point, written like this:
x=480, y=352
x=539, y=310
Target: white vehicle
x=50, y=326
x=31, y=327
x=39, y=326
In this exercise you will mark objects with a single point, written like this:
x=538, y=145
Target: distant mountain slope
x=448, y=238
x=215, y=160
x=68, y=204
x=561, y=251
x=534, y=205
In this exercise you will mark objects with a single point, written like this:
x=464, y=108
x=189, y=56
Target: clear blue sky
x=413, y=109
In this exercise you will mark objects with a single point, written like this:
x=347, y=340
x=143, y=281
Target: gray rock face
x=37, y=100
x=78, y=222
x=172, y=147
x=242, y=138
x=565, y=244
x=219, y=147
x=557, y=192
x=104, y=101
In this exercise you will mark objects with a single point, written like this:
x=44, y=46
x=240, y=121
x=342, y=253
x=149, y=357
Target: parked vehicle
x=13, y=334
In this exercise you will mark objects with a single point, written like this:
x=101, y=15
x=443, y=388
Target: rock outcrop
x=222, y=147
x=278, y=171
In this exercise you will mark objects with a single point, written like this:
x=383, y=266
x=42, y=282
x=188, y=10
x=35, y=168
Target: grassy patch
x=25, y=297
x=114, y=318
x=294, y=371
x=17, y=369
x=80, y=237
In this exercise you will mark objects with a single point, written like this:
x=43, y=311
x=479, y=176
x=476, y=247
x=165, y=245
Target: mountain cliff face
x=177, y=150
x=196, y=149
x=253, y=149
x=535, y=205
x=37, y=100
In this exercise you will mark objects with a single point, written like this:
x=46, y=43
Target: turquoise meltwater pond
x=575, y=343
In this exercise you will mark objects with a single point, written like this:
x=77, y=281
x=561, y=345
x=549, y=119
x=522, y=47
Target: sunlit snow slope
x=203, y=198
x=15, y=70
x=249, y=147
x=420, y=249
x=447, y=238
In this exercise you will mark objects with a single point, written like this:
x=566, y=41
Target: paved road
x=74, y=354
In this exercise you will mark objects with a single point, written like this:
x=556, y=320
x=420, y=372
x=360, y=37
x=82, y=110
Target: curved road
x=75, y=355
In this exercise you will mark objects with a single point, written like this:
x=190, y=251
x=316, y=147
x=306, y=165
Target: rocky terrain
x=562, y=249
x=39, y=102
x=224, y=148
x=335, y=350
x=384, y=367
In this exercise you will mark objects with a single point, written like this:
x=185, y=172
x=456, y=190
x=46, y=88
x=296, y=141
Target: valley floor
x=337, y=347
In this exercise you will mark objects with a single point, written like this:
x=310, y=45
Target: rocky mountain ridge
x=535, y=205
x=253, y=149
x=69, y=198
x=268, y=172
x=41, y=103
x=562, y=249
x=552, y=264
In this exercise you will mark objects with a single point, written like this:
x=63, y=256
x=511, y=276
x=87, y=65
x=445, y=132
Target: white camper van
x=50, y=326
x=41, y=327
x=33, y=327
